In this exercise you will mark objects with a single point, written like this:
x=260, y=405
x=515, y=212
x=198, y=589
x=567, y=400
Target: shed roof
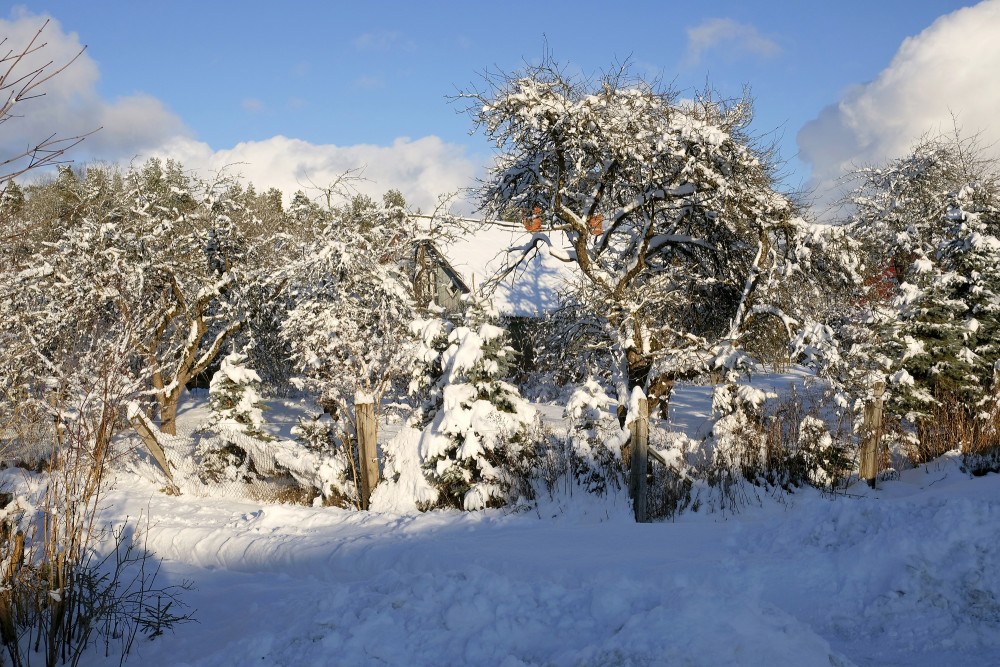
x=532, y=289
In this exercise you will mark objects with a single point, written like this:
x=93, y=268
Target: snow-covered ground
x=903, y=575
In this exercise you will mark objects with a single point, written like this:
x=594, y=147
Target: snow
x=901, y=575
x=633, y=405
x=531, y=290
x=410, y=486
x=904, y=576
x=232, y=368
x=901, y=377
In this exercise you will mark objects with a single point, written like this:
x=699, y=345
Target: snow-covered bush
x=810, y=438
x=405, y=486
x=317, y=433
x=58, y=594
x=221, y=461
x=824, y=462
x=570, y=347
x=749, y=448
x=326, y=466
x=594, y=438
x=981, y=462
x=773, y=443
x=60, y=598
x=672, y=487
x=477, y=449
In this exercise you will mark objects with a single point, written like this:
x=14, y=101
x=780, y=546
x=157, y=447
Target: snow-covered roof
x=529, y=291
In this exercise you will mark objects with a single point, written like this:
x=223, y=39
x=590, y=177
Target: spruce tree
x=476, y=447
x=235, y=398
x=930, y=220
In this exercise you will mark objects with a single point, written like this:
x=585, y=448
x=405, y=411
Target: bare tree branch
x=17, y=87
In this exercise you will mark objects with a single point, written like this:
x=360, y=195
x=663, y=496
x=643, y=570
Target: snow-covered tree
x=234, y=395
x=193, y=256
x=594, y=437
x=270, y=235
x=668, y=207
x=348, y=327
x=477, y=444
x=930, y=221
x=824, y=461
x=59, y=324
x=158, y=256
x=737, y=442
x=432, y=339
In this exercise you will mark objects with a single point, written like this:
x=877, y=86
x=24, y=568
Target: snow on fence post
x=871, y=433
x=640, y=456
x=364, y=407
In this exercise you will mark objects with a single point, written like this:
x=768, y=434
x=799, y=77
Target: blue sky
x=199, y=79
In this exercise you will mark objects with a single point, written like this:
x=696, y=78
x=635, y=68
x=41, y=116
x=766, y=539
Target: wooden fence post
x=640, y=457
x=871, y=433
x=364, y=409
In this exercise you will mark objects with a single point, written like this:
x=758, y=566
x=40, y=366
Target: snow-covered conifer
x=595, y=438
x=234, y=394
x=478, y=443
x=929, y=220
x=824, y=461
x=738, y=442
x=432, y=339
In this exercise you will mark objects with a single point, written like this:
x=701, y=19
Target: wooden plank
x=640, y=460
x=367, y=450
x=871, y=434
x=658, y=456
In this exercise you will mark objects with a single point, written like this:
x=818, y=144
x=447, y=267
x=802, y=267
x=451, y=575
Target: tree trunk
x=660, y=389
x=168, y=413
x=639, y=366
x=148, y=435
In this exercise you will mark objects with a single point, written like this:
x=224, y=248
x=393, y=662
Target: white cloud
x=948, y=70
x=727, y=35
x=370, y=82
x=252, y=104
x=140, y=126
x=380, y=40
x=71, y=106
x=422, y=169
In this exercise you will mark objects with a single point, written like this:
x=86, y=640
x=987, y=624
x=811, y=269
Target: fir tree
x=477, y=447
x=235, y=398
x=930, y=217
